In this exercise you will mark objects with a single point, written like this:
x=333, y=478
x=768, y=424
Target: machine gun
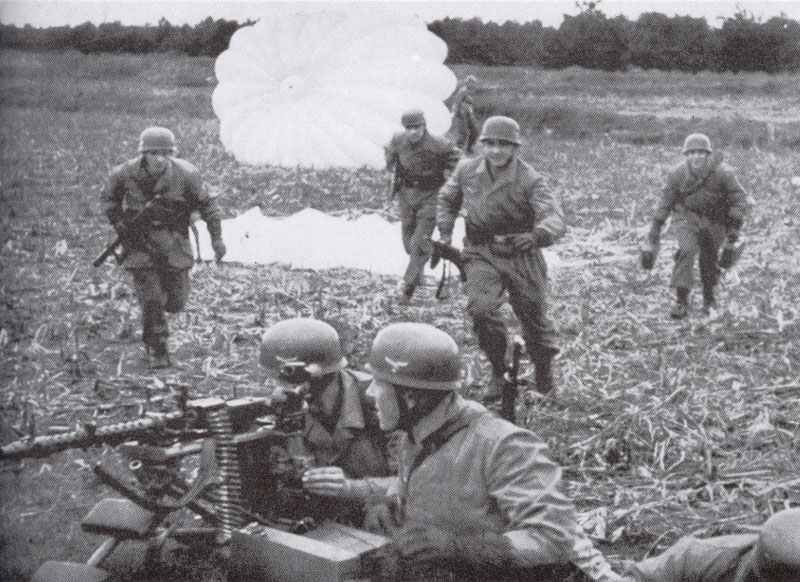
x=126, y=232
x=247, y=491
x=448, y=253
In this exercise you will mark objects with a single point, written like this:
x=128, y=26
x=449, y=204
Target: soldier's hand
x=425, y=543
x=219, y=248
x=522, y=242
x=446, y=239
x=327, y=481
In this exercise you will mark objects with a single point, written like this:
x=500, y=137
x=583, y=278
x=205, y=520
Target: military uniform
x=513, y=200
x=420, y=170
x=349, y=437
x=464, y=127
x=160, y=256
x=469, y=472
x=707, y=208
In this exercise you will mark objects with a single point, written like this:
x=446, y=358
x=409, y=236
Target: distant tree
x=746, y=45
x=681, y=43
x=594, y=41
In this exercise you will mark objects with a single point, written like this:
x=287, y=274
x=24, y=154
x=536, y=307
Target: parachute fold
x=328, y=88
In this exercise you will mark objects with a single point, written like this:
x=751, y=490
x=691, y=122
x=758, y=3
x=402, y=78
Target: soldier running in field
x=464, y=128
x=420, y=163
x=162, y=191
x=510, y=214
x=709, y=207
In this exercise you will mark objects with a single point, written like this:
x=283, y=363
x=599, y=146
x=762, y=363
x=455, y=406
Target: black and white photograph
x=399, y=291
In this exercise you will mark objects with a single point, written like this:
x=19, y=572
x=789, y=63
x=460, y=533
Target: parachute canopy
x=368, y=242
x=327, y=88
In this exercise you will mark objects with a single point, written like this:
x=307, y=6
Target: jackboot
x=158, y=356
x=543, y=374
x=709, y=302
x=680, y=309
x=408, y=293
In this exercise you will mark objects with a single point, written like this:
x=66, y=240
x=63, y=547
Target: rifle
x=125, y=233
x=251, y=460
x=509, y=393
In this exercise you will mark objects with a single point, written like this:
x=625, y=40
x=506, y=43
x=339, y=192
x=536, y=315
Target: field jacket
x=515, y=200
x=421, y=167
x=715, y=195
x=163, y=239
x=355, y=443
x=488, y=476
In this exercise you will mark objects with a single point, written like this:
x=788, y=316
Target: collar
x=448, y=409
x=502, y=177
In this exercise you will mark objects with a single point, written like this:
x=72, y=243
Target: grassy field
x=663, y=428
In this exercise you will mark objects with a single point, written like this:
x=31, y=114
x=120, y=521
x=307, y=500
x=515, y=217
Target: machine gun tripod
x=249, y=458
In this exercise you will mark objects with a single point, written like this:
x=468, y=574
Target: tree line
x=589, y=39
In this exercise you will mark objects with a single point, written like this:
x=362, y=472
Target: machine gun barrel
x=86, y=436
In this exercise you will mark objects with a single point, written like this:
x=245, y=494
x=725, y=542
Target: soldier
x=709, y=206
x=341, y=428
x=464, y=128
x=771, y=555
x=475, y=495
x=420, y=163
x=510, y=214
x=159, y=254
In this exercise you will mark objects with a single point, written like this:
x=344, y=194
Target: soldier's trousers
x=417, y=219
x=524, y=277
x=159, y=290
x=697, y=235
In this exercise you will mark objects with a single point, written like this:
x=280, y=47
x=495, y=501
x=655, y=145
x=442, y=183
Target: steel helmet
x=156, y=139
x=302, y=344
x=415, y=355
x=697, y=141
x=412, y=118
x=502, y=128
x=779, y=546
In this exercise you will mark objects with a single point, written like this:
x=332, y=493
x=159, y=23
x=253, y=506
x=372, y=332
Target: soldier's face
x=697, y=159
x=386, y=403
x=156, y=162
x=415, y=132
x=498, y=152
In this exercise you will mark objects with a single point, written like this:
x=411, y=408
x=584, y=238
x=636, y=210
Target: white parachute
x=327, y=88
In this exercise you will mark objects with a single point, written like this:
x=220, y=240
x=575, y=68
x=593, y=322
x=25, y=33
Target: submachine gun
x=248, y=491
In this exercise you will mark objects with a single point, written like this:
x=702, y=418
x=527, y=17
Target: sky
x=550, y=12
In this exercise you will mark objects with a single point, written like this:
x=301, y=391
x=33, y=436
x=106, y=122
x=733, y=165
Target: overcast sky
x=550, y=12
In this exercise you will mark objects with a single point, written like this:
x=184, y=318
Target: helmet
x=156, y=139
x=301, y=345
x=412, y=118
x=416, y=355
x=697, y=141
x=779, y=545
x=500, y=127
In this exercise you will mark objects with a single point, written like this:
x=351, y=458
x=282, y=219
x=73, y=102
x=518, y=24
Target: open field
x=663, y=428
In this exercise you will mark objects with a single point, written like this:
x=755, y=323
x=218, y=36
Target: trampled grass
x=662, y=428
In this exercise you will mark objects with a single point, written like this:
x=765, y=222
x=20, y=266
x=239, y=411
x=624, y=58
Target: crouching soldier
x=510, y=214
x=420, y=163
x=342, y=433
x=162, y=191
x=475, y=496
x=709, y=207
x=771, y=555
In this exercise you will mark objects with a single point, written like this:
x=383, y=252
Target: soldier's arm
x=391, y=153
x=739, y=205
x=206, y=204
x=449, y=202
x=683, y=562
x=665, y=206
x=525, y=485
x=112, y=199
x=549, y=217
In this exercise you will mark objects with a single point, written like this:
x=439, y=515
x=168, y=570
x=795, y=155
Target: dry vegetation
x=663, y=428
